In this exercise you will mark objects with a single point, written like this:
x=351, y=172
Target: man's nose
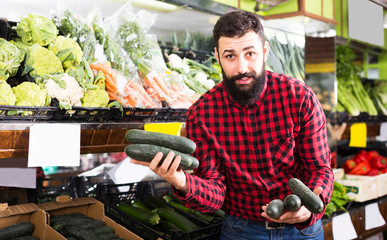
x=242, y=66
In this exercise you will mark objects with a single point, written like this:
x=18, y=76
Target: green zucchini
x=180, y=221
x=183, y=208
x=146, y=152
x=178, y=143
x=139, y=204
x=17, y=230
x=153, y=202
x=80, y=233
x=310, y=200
x=275, y=208
x=292, y=202
x=146, y=217
x=103, y=230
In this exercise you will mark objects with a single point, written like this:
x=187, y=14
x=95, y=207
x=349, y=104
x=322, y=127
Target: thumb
x=317, y=191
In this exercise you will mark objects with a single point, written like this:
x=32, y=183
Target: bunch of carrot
x=132, y=95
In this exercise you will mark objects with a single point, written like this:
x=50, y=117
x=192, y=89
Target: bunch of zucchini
x=77, y=226
x=302, y=195
x=18, y=231
x=144, y=146
x=157, y=214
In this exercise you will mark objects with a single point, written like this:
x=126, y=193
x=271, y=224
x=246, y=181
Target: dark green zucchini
x=103, y=230
x=146, y=152
x=310, y=200
x=275, y=208
x=180, y=221
x=292, y=202
x=17, y=230
x=146, y=217
x=139, y=204
x=178, y=143
x=80, y=233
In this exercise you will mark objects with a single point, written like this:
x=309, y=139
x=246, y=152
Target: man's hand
x=169, y=170
x=292, y=217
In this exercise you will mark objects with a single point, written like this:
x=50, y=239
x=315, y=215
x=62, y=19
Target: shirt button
x=251, y=116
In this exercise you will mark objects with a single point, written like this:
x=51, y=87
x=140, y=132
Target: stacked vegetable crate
x=113, y=195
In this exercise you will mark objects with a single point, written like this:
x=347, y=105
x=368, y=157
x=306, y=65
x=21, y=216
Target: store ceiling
x=178, y=20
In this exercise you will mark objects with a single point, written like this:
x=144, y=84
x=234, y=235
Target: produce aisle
x=112, y=68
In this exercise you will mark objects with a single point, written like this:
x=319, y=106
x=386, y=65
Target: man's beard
x=245, y=96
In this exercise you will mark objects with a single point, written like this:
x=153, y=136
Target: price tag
x=341, y=222
x=54, y=145
x=383, y=132
x=373, y=218
x=18, y=177
x=358, y=135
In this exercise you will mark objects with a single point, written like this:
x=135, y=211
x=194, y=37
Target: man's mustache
x=243, y=75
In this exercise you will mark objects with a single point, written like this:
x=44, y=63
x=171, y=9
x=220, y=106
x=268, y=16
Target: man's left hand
x=292, y=217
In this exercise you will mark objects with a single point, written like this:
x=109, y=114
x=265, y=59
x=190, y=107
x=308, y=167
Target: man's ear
x=266, y=50
x=216, y=54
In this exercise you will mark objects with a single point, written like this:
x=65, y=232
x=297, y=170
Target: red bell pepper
x=374, y=172
x=361, y=156
x=379, y=162
x=349, y=165
x=362, y=168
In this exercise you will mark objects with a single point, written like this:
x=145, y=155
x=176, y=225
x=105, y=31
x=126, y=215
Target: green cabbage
x=6, y=94
x=10, y=59
x=67, y=50
x=95, y=98
x=41, y=61
x=36, y=29
x=30, y=94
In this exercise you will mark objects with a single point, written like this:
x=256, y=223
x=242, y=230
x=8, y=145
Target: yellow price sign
x=172, y=128
x=358, y=135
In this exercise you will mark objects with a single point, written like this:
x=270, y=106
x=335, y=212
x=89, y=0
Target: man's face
x=243, y=60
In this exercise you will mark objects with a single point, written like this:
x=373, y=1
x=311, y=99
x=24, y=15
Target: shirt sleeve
x=206, y=188
x=313, y=150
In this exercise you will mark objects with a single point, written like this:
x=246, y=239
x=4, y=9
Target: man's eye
x=250, y=54
x=229, y=56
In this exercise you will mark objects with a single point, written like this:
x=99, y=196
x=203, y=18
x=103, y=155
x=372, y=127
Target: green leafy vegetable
x=36, y=29
x=352, y=94
x=30, y=94
x=10, y=59
x=6, y=94
x=67, y=50
x=41, y=61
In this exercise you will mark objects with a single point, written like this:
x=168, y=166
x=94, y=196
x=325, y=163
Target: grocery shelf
x=95, y=137
x=357, y=214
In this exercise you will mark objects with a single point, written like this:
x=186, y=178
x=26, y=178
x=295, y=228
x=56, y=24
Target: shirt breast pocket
x=282, y=154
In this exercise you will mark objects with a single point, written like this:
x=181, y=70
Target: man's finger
x=317, y=191
x=139, y=162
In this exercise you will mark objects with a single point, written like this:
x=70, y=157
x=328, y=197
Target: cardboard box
x=338, y=173
x=28, y=212
x=91, y=207
x=382, y=184
x=360, y=188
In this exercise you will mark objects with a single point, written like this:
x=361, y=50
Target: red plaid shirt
x=247, y=154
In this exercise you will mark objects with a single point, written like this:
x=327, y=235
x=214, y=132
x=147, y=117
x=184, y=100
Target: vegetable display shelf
x=357, y=213
x=95, y=137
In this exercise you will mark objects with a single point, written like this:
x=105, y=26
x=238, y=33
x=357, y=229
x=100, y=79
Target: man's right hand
x=169, y=170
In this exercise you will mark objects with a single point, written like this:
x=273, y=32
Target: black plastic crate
x=111, y=196
x=48, y=188
x=27, y=113
x=87, y=186
x=172, y=115
x=130, y=114
x=85, y=114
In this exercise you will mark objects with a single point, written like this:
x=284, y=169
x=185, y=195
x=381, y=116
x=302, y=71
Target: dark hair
x=236, y=24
